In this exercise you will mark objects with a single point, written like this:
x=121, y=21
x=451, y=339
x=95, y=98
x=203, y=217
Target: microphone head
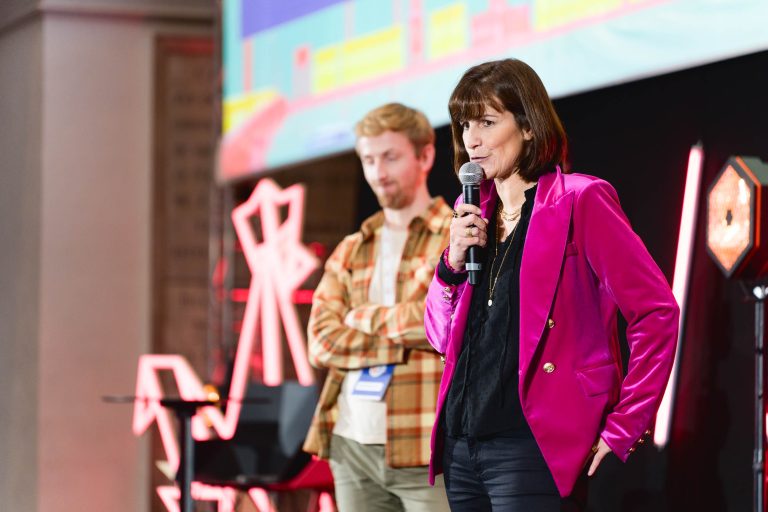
x=470, y=174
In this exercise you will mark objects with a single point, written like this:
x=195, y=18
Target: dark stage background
x=637, y=136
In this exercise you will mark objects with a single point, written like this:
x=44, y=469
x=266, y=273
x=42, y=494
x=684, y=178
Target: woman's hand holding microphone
x=468, y=228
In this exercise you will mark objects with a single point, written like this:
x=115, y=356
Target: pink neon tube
x=680, y=283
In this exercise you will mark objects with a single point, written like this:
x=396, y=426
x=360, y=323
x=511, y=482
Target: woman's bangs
x=470, y=102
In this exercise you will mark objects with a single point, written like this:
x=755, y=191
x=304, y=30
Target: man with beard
x=375, y=414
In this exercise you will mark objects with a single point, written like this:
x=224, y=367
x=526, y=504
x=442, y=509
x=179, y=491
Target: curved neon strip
x=680, y=283
x=325, y=503
x=260, y=498
x=147, y=408
x=225, y=496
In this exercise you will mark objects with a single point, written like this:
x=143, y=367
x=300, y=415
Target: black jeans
x=502, y=474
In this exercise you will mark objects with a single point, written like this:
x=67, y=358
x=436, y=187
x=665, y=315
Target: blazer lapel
x=542, y=261
x=488, y=198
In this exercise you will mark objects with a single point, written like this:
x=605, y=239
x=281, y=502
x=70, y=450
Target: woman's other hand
x=468, y=228
x=602, y=450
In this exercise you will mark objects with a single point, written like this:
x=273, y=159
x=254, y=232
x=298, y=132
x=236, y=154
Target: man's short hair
x=396, y=117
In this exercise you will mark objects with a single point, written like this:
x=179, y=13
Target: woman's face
x=494, y=141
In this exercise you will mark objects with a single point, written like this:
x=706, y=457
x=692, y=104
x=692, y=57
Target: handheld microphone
x=470, y=176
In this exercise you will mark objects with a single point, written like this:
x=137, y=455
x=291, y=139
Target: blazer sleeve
x=438, y=314
x=441, y=302
x=627, y=272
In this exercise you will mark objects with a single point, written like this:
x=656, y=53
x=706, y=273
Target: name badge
x=373, y=382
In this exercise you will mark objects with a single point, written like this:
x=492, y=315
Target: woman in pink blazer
x=532, y=396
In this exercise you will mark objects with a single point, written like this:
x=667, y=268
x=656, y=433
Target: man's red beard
x=395, y=201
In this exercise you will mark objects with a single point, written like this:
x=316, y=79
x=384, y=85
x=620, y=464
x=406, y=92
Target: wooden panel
x=184, y=138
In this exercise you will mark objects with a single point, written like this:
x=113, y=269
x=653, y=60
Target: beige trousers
x=364, y=483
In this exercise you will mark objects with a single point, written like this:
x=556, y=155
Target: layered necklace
x=513, y=216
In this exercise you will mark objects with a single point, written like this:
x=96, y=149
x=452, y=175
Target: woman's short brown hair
x=511, y=85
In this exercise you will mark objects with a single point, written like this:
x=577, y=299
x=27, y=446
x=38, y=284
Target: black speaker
x=266, y=447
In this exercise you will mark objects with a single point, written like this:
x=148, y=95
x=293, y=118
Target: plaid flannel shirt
x=381, y=334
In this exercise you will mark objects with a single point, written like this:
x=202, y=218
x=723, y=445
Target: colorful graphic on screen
x=298, y=74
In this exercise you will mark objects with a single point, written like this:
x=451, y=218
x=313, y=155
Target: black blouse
x=483, y=398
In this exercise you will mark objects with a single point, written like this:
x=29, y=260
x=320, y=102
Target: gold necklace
x=492, y=280
x=511, y=216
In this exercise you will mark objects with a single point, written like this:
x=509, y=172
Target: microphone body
x=470, y=176
x=471, y=195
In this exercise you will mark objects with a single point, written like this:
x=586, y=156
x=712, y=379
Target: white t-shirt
x=361, y=420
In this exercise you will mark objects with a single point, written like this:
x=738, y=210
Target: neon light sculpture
x=278, y=266
x=279, y=263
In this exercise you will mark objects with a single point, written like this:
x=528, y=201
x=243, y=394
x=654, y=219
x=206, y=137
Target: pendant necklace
x=491, y=279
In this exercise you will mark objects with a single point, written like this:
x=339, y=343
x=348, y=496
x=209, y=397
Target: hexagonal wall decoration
x=737, y=223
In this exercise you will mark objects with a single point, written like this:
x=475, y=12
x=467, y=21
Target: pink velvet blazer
x=581, y=263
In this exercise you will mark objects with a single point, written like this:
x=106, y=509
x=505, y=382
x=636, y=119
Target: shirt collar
x=530, y=194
